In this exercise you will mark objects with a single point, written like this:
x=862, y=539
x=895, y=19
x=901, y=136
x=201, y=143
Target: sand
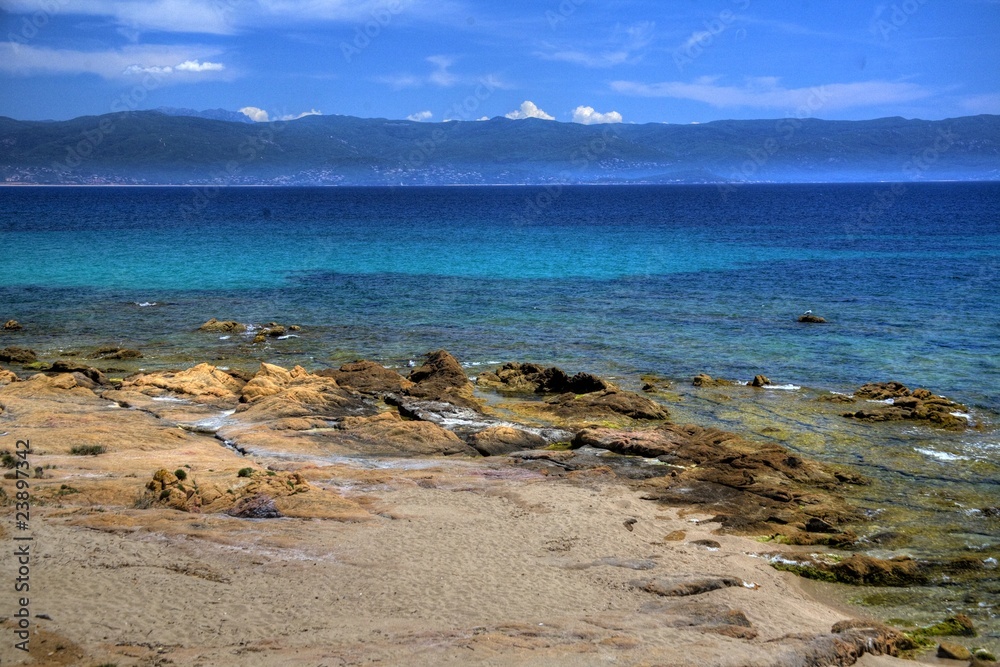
x=420, y=561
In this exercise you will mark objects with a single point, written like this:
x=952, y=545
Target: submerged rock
x=902, y=404
x=222, y=326
x=115, y=352
x=18, y=355
x=809, y=318
x=12, y=325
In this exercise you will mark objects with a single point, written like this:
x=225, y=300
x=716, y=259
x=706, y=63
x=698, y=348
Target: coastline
x=540, y=556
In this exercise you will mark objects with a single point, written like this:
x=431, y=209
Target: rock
x=17, y=355
x=809, y=318
x=367, y=377
x=865, y=570
x=442, y=378
x=12, y=325
x=115, y=352
x=815, y=525
x=753, y=487
x=262, y=491
x=991, y=512
x=7, y=377
x=684, y=585
x=94, y=375
x=258, y=506
x=759, y=381
x=220, y=326
x=516, y=377
x=607, y=405
x=275, y=393
x=501, y=440
x=703, y=616
x=203, y=383
x=705, y=380
x=953, y=651
x=387, y=434
x=675, y=536
x=706, y=544
x=917, y=405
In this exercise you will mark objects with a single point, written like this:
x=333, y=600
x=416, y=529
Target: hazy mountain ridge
x=152, y=147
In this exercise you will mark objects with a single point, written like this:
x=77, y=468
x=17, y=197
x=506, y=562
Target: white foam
x=146, y=304
x=964, y=415
x=940, y=456
x=783, y=387
x=888, y=401
x=169, y=399
x=287, y=336
x=224, y=337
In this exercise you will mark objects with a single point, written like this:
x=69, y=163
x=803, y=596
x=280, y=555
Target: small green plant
x=164, y=494
x=65, y=490
x=244, y=472
x=39, y=472
x=7, y=459
x=271, y=473
x=87, y=450
x=180, y=474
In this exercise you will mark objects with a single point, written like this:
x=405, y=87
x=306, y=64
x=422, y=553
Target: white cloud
x=258, y=115
x=293, y=116
x=529, y=110
x=441, y=76
x=420, y=116
x=165, y=62
x=767, y=93
x=587, y=116
x=625, y=46
x=195, y=66
x=255, y=114
x=978, y=104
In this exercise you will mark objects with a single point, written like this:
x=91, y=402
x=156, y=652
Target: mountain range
x=180, y=146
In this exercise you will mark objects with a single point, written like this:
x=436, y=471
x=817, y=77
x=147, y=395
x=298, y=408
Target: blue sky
x=591, y=61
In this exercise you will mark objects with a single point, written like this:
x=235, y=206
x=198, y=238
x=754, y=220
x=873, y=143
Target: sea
x=627, y=282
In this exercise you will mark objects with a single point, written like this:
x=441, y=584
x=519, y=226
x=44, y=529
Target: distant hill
x=211, y=114
x=172, y=147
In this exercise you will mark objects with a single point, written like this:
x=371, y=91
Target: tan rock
x=220, y=326
x=7, y=377
x=204, y=383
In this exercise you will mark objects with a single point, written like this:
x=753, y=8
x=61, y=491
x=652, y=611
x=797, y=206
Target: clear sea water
x=616, y=280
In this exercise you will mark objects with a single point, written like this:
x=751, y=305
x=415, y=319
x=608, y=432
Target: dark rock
x=991, y=512
x=705, y=380
x=917, y=405
x=18, y=355
x=259, y=506
x=367, y=377
x=115, y=352
x=809, y=318
x=442, y=378
x=501, y=440
x=953, y=651
x=706, y=544
x=220, y=326
x=606, y=405
x=865, y=570
x=760, y=381
x=12, y=325
x=815, y=525
x=516, y=377
x=63, y=366
x=684, y=585
x=629, y=523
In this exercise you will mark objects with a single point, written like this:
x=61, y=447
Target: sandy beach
x=513, y=559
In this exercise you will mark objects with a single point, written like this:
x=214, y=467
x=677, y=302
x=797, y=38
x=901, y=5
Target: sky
x=584, y=61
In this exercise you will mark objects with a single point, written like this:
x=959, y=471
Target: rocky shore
x=350, y=515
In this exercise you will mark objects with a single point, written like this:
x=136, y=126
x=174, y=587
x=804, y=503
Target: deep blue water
x=672, y=280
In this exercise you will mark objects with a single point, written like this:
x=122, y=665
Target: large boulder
x=388, y=434
x=442, y=378
x=203, y=383
x=12, y=325
x=222, y=326
x=529, y=378
x=367, y=377
x=275, y=393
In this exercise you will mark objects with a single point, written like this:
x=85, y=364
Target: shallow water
x=618, y=281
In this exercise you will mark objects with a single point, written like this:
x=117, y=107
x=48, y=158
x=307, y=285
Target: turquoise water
x=618, y=281
x=669, y=280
